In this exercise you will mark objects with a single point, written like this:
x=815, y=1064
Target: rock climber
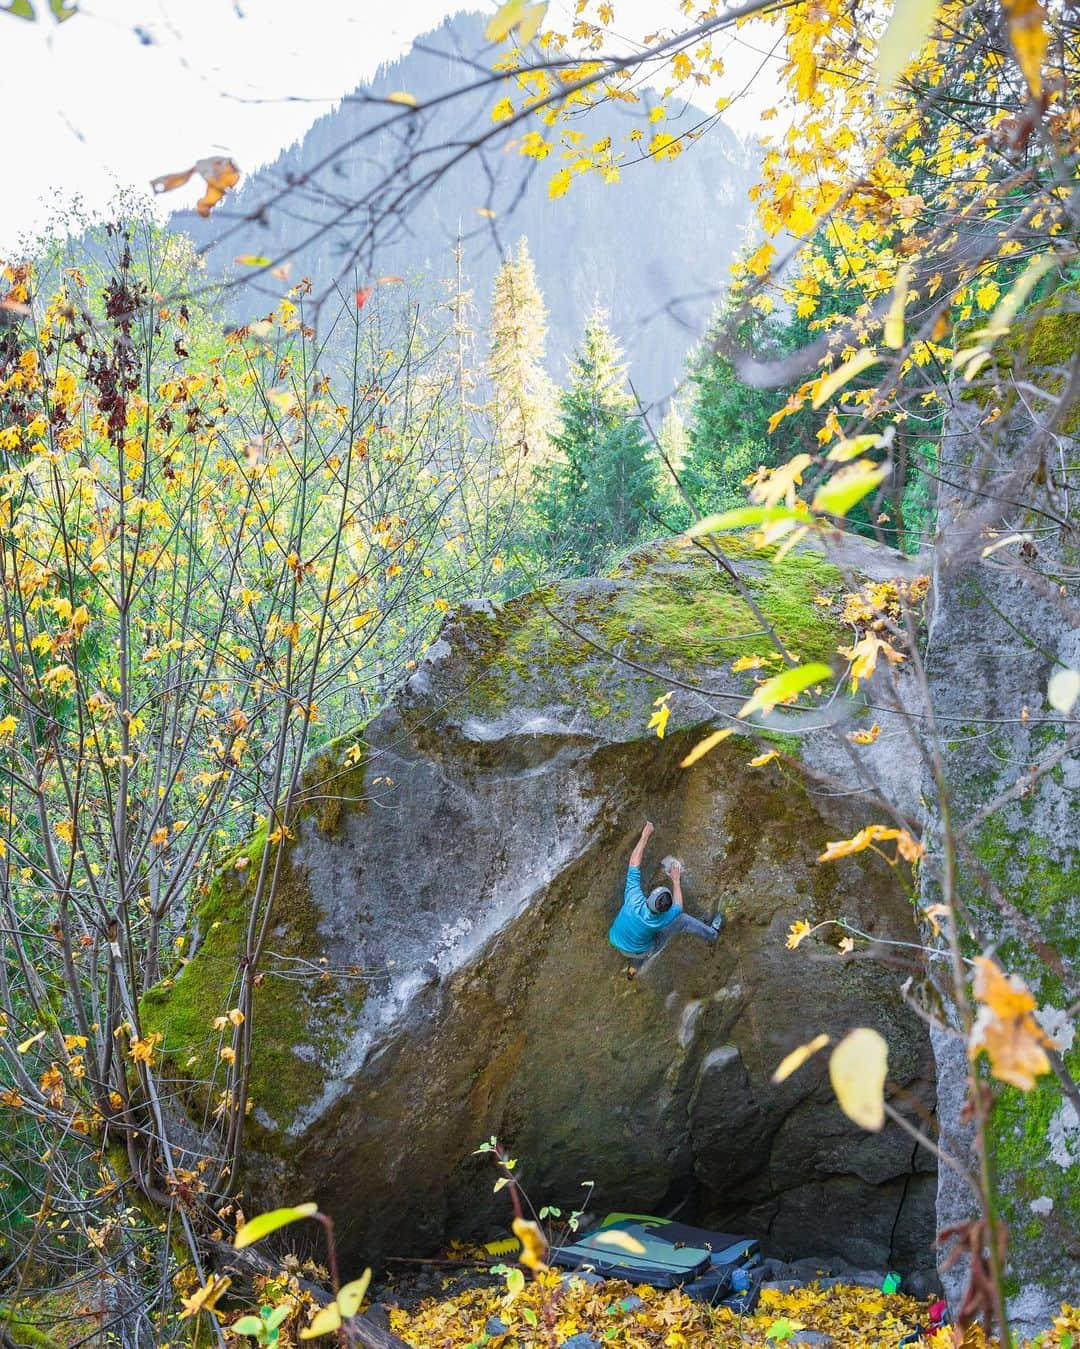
x=645, y=923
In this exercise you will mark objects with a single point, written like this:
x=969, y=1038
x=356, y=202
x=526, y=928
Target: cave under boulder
x=457, y=874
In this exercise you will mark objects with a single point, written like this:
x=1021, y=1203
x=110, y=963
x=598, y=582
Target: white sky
x=90, y=108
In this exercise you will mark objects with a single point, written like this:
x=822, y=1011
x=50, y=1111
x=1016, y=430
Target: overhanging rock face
x=469, y=886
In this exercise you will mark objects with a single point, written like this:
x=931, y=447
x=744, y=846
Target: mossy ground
x=312, y=1010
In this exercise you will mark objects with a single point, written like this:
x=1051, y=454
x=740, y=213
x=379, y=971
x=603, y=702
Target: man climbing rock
x=646, y=922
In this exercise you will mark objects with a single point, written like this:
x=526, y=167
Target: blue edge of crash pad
x=665, y=1254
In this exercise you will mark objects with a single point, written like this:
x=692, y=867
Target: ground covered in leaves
x=551, y=1311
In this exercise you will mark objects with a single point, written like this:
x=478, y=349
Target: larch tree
x=523, y=395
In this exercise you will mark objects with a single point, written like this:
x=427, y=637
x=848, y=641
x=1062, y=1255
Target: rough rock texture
x=993, y=644
x=495, y=809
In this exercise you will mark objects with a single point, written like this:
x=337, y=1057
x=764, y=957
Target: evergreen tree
x=728, y=433
x=597, y=493
x=728, y=436
x=523, y=395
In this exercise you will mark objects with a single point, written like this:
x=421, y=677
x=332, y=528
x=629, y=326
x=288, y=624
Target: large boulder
x=458, y=882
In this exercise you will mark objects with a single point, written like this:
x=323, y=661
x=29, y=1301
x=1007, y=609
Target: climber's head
x=659, y=900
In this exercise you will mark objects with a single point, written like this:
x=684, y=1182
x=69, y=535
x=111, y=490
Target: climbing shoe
x=717, y=921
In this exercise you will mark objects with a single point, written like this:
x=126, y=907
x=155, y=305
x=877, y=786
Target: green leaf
x=247, y=1325
x=529, y=1315
x=785, y=685
x=279, y=1314
x=911, y=23
x=515, y=1282
x=848, y=487
x=1067, y=1340
x=19, y=9
x=265, y=1223
x=742, y=516
x=351, y=1296
x=840, y=376
x=62, y=11
x=780, y=1330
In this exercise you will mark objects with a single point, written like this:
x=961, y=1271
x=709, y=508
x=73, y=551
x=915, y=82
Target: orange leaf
x=170, y=181
x=1005, y=1029
x=220, y=174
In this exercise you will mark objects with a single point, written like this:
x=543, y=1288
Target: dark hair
x=659, y=900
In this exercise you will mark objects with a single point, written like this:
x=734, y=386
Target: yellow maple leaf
x=863, y=656
x=1005, y=1029
x=799, y=930
x=777, y=485
x=204, y=1299
x=142, y=1049
x=987, y=295
x=559, y=184
x=659, y=719
x=760, y=760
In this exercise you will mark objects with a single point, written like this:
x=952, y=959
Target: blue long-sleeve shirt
x=636, y=926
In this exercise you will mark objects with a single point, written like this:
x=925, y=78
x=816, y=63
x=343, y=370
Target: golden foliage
x=855, y=1318
x=1005, y=1029
x=906, y=846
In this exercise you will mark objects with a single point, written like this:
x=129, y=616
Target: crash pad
x=655, y=1251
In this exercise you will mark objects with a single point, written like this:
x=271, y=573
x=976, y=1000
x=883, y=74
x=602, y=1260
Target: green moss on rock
x=20, y=1331
x=1042, y=879
x=666, y=606
x=288, y=1012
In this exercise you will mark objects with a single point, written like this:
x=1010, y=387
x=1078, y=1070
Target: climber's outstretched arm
x=676, y=884
x=638, y=855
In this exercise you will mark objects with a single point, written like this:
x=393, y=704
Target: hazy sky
x=92, y=105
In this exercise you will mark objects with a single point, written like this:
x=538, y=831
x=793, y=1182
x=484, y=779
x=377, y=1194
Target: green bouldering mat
x=654, y=1251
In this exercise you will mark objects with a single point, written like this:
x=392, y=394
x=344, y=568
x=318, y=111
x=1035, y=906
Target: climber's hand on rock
x=647, y=831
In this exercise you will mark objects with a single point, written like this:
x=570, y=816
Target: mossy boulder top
x=438, y=969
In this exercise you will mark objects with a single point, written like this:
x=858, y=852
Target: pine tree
x=523, y=395
x=597, y=493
